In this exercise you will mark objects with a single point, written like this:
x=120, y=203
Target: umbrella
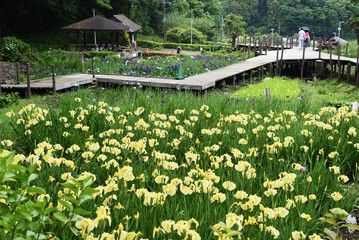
x=304, y=28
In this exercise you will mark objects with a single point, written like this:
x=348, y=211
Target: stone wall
x=8, y=72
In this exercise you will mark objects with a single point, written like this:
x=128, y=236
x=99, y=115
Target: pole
x=302, y=66
x=164, y=19
x=53, y=79
x=339, y=62
x=330, y=61
x=340, y=28
x=93, y=68
x=279, y=28
x=281, y=61
x=191, y=29
x=94, y=33
x=17, y=72
x=28, y=89
x=277, y=62
x=82, y=64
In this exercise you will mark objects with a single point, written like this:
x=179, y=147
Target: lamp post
x=279, y=28
x=164, y=18
x=340, y=27
x=191, y=30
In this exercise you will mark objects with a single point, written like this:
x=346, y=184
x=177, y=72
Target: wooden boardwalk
x=198, y=82
x=62, y=82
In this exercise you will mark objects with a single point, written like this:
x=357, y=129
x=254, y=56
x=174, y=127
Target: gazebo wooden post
x=85, y=40
x=112, y=41
x=356, y=69
x=78, y=40
x=117, y=39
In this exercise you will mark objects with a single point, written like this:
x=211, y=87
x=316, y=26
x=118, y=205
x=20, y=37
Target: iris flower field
x=148, y=164
x=152, y=66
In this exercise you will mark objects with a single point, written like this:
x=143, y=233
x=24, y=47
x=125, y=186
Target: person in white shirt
x=301, y=34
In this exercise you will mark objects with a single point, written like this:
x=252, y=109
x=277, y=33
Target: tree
x=354, y=24
x=248, y=9
x=234, y=26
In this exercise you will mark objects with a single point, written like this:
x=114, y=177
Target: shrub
x=13, y=49
x=27, y=213
x=8, y=99
x=149, y=44
x=99, y=54
x=183, y=35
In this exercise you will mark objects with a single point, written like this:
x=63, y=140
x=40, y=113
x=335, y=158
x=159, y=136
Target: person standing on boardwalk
x=306, y=38
x=301, y=34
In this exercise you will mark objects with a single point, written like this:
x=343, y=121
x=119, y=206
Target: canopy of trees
x=20, y=18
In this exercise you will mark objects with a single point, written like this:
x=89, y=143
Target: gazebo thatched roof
x=133, y=27
x=97, y=23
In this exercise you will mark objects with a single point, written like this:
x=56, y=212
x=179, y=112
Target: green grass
x=279, y=88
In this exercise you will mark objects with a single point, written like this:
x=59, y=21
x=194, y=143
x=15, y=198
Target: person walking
x=301, y=34
x=306, y=38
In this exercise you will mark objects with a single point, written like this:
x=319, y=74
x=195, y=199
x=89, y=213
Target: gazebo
x=133, y=27
x=96, y=23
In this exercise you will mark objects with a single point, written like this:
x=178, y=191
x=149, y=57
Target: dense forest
x=22, y=17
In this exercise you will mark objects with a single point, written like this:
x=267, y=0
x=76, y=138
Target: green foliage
x=9, y=99
x=279, y=88
x=47, y=58
x=285, y=16
x=149, y=44
x=99, y=54
x=274, y=133
x=331, y=93
x=25, y=208
x=234, y=26
x=64, y=63
x=337, y=218
x=205, y=25
x=183, y=35
x=13, y=49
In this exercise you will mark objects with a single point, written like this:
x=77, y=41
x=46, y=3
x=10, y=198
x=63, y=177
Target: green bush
x=99, y=54
x=183, y=35
x=27, y=213
x=149, y=44
x=13, y=49
x=8, y=99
